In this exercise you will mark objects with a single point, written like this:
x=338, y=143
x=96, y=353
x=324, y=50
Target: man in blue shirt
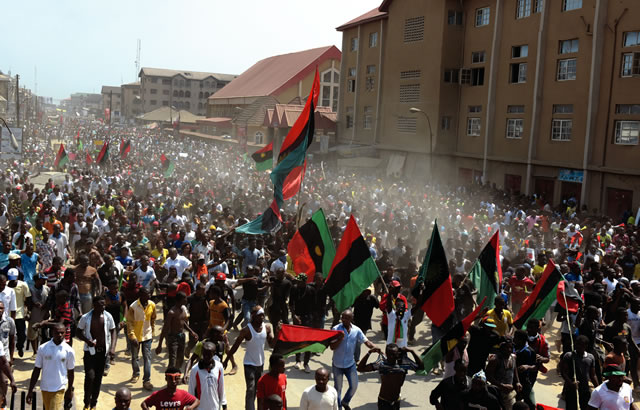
x=344, y=362
x=249, y=255
x=29, y=260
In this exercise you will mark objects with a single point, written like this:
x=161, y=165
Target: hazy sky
x=78, y=46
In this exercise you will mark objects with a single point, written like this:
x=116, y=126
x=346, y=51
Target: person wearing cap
x=613, y=393
x=23, y=300
x=391, y=298
x=479, y=396
x=501, y=317
x=483, y=338
x=102, y=223
x=171, y=397
x=576, y=385
x=502, y=373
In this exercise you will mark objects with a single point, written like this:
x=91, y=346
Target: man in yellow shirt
x=141, y=319
x=501, y=317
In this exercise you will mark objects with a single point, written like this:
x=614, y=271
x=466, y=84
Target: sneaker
x=346, y=406
x=298, y=366
x=134, y=379
x=307, y=369
x=106, y=372
x=20, y=353
x=147, y=386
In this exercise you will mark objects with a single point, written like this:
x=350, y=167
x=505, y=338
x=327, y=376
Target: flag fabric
x=269, y=222
x=62, y=158
x=353, y=268
x=437, y=351
x=544, y=293
x=311, y=249
x=176, y=121
x=125, y=148
x=168, y=166
x=80, y=146
x=433, y=290
x=574, y=301
x=294, y=339
x=103, y=155
x=88, y=159
x=287, y=175
x=264, y=157
x=486, y=273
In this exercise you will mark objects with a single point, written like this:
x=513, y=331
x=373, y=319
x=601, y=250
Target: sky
x=79, y=46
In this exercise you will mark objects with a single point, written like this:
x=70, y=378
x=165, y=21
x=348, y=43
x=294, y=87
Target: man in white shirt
x=180, y=262
x=320, y=396
x=7, y=297
x=613, y=393
x=145, y=273
x=102, y=224
x=56, y=360
x=62, y=243
x=206, y=380
x=5, y=373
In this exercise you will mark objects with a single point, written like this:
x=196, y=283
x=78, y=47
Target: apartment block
x=111, y=99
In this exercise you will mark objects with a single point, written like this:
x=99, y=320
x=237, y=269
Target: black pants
x=21, y=333
x=387, y=405
x=571, y=397
x=93, y=371
x=306, y=320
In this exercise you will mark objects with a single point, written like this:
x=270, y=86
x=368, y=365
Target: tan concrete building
x=130, y=102
x=535, y=96
x=4, y=93
x=111, y=96
x=184, y=90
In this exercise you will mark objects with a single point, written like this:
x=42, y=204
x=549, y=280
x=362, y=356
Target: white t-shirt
x=611, y=285
x=312, y=399
x=404, y=323
x=55, y=361
x=145, y=278
x=180, y=262
x=634, y=323
x=604, y=399
x=8, y=298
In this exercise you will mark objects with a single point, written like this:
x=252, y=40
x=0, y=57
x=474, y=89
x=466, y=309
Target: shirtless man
x=88, y=282
x=173, y=331
x=392, y=373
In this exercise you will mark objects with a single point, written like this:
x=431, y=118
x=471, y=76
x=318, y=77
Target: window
x=451, y=75
x=627, y=108
x=518, y=73
x=631, y=38
x=414, y=29
x=165, y=103
x=473, y=127
x=206, y=94
x=373, y=39
x=406, y=125
x=166, y=81
x=477, y=76
x=351, y=86
x=259, y=137
x=514, y=128
x=563, y=108
x=477, y=57
x=627, y=132
x=454, y=18
x=568, y=46
x=571, y=5
x=349, y=117
x=154, y=80
x=566, y=69
x=352, y=72
x=515, y=109
x=199, y=106
x=538, y=5
x=153, y=102
x=520, y=51
x=165, y=92
x=445, y=123
x=187, y=105
x=482, y=16
x=371, y=69
x=523, y=9
x=368, y=118
x=465, y=76
x=475, y=108
x=405, y=75
x=325, y=99
x=181, y=94
x=370, y=83
x=354, y=44
x=561, y=130
x=409, y=93
x=153, y=91
x=329, y=86
x=200, y=95
x=187, y=94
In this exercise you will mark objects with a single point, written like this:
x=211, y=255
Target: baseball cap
x=221, y=276
x=613, y=370
x=13, y=274
x=488, y=322
x=13, y=256
x=41, y=276
x=395, y=284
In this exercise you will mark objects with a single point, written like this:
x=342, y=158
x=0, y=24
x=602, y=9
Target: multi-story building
x=535, y=96
x=4, y=93
x=130, y=101
x=184, y=90
x=111, y=97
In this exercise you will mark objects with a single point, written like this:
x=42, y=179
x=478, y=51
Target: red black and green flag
x=568, y=297
x=297, y=339
x=437, y=351
x=168, y=166
x=538, y=302
x=269, y=222
x=311, y=249
x=125, y=147
x=353, y=268
x=103, y=155
x=88, y=159
x=433, y=290
x=486, y=273
x=62, y=158
x=264, y=157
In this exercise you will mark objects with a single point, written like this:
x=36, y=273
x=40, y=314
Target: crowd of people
x=92, y=257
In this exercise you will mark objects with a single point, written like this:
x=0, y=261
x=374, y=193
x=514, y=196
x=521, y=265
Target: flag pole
x=566, y=306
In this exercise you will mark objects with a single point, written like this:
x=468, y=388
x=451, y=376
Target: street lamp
x=415, y=110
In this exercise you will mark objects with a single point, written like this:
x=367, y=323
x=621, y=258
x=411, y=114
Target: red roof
x=274, y=74
x=367, y=17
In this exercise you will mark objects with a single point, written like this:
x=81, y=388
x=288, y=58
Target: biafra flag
x=538, y=302
x=297, y=339
x=61, y=158
x=264, y=158
x=311, y=249
x=437, y=351
x=486, y=273
x=269, y=222
x=433, y=290
x=167, y=166
x=125, y=148
x=103, y=155
x=353, y=268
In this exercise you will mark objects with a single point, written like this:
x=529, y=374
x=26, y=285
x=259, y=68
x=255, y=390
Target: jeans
x=86, y=302
x=93, y=370
x=247, y=305
x=175, y=345
x=146, y=357
x=352, y=378
x=251, y=376
x=21, y=333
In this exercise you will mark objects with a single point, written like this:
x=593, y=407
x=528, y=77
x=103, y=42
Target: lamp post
x=415, y=110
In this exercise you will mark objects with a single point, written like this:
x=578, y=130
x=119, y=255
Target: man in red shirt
x=273, y=383
x=171, y=398
x=394, y=293
x=520, y=286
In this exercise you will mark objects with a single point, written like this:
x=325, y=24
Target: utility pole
x=18, y=100
x=110, y=114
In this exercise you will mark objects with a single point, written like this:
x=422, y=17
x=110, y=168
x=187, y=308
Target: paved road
x=415, y=392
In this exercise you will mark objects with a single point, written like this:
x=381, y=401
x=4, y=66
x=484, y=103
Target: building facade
x=111, y=100
x=130, y=102
x=184, y=90
x=534, y=96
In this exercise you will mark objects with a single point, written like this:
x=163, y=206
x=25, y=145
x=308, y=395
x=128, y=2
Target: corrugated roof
x=273, y=74
x=189, y=75
x=285, y=115
x=254, y=114
x=165, y=114
x=367, y=17
x=106, y=89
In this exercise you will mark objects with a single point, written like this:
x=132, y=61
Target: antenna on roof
x=138, y=50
